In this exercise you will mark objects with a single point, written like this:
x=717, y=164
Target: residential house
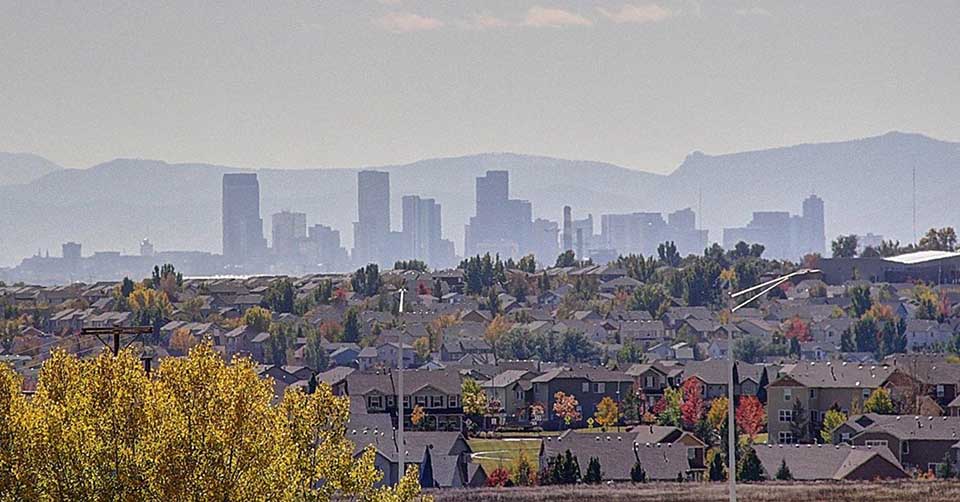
x=829, y=462
x=510, y=392
x=589, y=385
x=917, y=442
x=437, y=392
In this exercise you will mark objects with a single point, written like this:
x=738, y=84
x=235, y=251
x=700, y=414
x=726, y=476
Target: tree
x=668, y=409
x=608, y=413
x=667, y=251
x=748, y=349
x=798, y=422
x=417, y=416
x=717, y=467
x=351, y=326
x=474, y=399
x=565, y=407
x=783, y=473
x=637, y=474
x=182, y=341
x=879, y=402
x=944, y=239
x=421, y=346
x=197, y=429
x=167, y=279
x=845, y=246
x=280, y=296
x=570, y=474
x=860, y=300
x=150, y=308
x=718, y=412
x=750, y=416
x=634, y=404
x=691, y=410
x=594, y=475
x=945, y=467
x=497, y=327
x=415, y=265
x=631, y=353
x=315, y=354
x=797, y=329
x=652, y=298
x=528, y=264
x=257, y=319
x=524, y=474
x=750, y=467
x=498, y=478
x=566, y=259
x=366, y=281
x=832, y=420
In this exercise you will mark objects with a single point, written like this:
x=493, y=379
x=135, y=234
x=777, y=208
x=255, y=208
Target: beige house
x=819, y=387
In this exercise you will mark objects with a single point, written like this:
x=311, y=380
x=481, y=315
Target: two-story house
x=920, y=443
x=589, y=385
x=438, y=393
x=510, y=392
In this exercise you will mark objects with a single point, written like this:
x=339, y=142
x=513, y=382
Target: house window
x=375, y=402
x=520, y=395
x=905, y=447
x=940, y=391
x=390, y=401
x=585, y=387
x=420, y=400
x=436, y=401
x=691, y=453
x=648, y=382
x=845, y=437
x=813, y=393
x=876, y=442
x=786, y=415
x=866, y=393
x=601, y=387
x=406, y=402
x=454, y=401
x=788, y=394
x=785, y=437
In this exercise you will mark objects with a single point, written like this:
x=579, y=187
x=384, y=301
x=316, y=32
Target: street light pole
x=764, y=288
x=401, y=446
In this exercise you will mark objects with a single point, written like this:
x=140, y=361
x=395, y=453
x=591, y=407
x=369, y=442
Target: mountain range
x=866, y=185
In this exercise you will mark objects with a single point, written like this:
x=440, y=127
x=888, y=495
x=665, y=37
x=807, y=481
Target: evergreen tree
x=351, y=326
x=570, y=473
x=594, y=475
x=750, y=467
x=783, y=473
x=637, y=474
x=717, y=467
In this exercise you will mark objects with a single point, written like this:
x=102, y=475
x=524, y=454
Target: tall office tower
x=242, y=226
x=421, y=229
x=567, y=228
x=372, y=228
x=545, y=239
x=288, y=230
x=501, y=225
x=70, y=251
x=815, y=234
x=324, y=241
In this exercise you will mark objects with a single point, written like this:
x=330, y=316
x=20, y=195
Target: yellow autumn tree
x=197, y=429
x=718, y=413
x=608, y=413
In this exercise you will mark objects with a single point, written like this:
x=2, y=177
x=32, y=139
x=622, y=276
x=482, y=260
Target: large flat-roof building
x=937, y=267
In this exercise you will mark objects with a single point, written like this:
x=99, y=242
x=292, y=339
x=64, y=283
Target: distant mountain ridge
x=865, y=183
x=20, y=168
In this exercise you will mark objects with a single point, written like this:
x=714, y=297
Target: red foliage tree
x=659, y=406
x=798, y=329
x=498, y=478
x=692, y=407
x=750, y=416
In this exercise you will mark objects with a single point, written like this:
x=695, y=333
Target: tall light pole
x=764, y=288
x=401, y=447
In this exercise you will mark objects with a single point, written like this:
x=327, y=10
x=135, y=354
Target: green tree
x=594, y=475
x=750, y=467
x=879, y=402
x=671, y=414
x=844, y=246
x=524, y=473
x=351, y=326
x=798, y=424
x=638, y=267
x=366, y=281
x=783, y=473
x=945, y=467
x=415, y=265
x=860, y=301
x=280, y=296
x=652, y=298
x=258, y=319
x=528, y=264
x=667, y=251
x=832, y=420
x=566, y=259
x=748, y=349
x=944, y=239
x=317, y=357
x=717, y=468
x=637, y=474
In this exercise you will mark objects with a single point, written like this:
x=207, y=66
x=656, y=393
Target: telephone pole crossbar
x=116, y=332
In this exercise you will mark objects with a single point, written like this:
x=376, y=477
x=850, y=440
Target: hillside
x=20, y=168
x=865, y=184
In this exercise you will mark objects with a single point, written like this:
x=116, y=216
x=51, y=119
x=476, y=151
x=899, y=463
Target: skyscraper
x=372, y=229
x=288, y=230
x=242, y=226
x=567, y=228
x=785, y=236
x=815, y=234
x=502, y=225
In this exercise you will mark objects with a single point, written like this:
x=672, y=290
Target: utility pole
x=116, y=332
x=401, y=446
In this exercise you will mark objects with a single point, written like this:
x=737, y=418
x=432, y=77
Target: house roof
x=914, y=427
x=584, y=372
x=505, y=378
x=821, y=462
x=921, y=257
x=833, y=375
x=615, y=452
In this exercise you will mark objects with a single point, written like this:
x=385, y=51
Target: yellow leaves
x=199, y=429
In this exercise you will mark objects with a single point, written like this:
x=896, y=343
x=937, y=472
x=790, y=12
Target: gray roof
x=616, y=455
x=912, y=427
x=820, y=462
x=834, y=375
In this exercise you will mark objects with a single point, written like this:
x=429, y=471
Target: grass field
x=915, y=491
x=492, y=453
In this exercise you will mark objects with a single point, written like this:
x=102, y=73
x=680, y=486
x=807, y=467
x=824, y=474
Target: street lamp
x=764, y=288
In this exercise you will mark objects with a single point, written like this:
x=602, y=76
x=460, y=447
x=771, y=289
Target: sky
x=353, y=83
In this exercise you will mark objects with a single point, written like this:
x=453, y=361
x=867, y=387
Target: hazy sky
x=362, y=82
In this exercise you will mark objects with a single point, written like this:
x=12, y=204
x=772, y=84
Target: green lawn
x=493, y=453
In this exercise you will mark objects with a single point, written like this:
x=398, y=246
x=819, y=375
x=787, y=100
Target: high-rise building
x=784, y=236
x=324, y=243
x=544, y=239
x=71, y=250
x=288, y=230
x=242, y=226
x=501, y=225
x=567, y=228
x=372, y=229
x=644, y=232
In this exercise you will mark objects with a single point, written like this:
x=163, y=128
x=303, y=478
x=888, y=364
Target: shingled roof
x=834, y=375
x=661, y=461
x=826, y=462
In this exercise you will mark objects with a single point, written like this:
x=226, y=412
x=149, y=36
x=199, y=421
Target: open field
x=916, y=491
x=492, y=453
